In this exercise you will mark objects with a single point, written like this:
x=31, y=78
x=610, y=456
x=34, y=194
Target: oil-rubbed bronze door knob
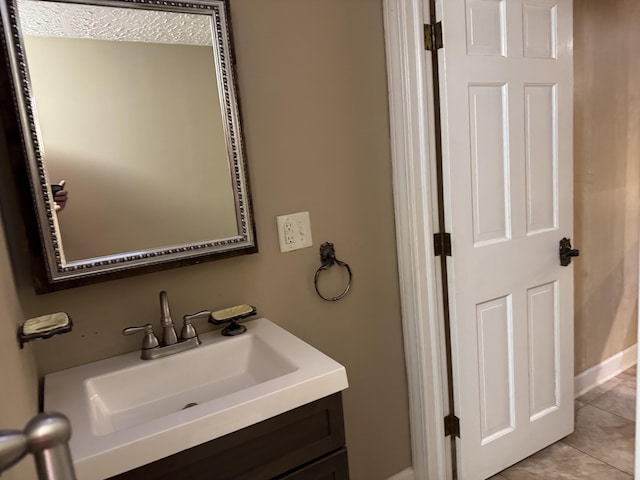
x=566, y=252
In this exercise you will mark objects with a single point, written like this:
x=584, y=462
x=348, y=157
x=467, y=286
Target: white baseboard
x=605, y=370
x=403, y=475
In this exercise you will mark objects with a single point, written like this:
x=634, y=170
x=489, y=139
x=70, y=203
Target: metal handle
x=13, y=446
x=188, y=331
x=150, y=340
x=134, y=330
x=46, y=436
x=566, y=252
x=202, y=314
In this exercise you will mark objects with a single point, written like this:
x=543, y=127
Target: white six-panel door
x=506, y=91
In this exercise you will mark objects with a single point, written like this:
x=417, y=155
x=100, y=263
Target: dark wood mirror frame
x=15, y=159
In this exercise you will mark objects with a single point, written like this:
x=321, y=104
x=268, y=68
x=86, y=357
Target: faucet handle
x=150, y=340
x=188, y=331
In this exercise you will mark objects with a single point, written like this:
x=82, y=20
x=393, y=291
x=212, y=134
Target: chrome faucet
x=169, y=336
x=152, y=348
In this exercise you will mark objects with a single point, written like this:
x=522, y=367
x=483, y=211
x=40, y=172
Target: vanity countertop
x=126, y=412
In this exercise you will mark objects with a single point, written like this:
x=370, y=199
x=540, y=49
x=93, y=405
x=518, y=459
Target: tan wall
x=18, y=394
x=607, y=162
x=155, y=176
x=313, y=91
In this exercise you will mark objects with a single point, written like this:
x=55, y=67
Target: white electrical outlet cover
x=294, y=231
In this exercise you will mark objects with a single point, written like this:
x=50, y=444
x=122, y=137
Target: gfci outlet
x=294, y=231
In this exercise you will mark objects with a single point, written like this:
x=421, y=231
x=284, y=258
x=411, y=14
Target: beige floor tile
x=605, y=436
x=600, y=390
x=562, y=462
x=620, y=400
x=628, y=375
x=497, y=477
x=631, y=382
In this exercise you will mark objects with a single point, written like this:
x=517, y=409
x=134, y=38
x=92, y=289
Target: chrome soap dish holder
x=231, y=316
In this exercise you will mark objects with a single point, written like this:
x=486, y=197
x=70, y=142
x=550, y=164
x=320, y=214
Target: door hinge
x=442, y=244
x=451, y=426
x=433, y=37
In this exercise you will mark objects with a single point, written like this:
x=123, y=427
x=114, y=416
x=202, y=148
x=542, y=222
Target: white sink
x=126, y=412
x=152, y=389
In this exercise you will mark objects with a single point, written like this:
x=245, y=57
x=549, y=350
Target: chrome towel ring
x=328, y=259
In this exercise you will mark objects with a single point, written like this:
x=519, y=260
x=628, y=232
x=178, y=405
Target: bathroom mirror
x=131, y=105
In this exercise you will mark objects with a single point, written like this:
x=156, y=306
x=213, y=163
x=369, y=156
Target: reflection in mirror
x=133, y=110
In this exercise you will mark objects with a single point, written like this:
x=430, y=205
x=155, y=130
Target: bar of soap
x=232, y=312
x=45, y=323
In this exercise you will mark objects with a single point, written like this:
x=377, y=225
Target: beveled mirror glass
x=131, y=105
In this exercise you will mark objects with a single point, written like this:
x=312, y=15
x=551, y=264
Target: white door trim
x=409, y=84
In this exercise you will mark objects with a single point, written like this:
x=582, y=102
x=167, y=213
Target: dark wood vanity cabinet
x=307, y=443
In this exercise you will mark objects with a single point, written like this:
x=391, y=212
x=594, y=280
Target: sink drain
x=189, y=405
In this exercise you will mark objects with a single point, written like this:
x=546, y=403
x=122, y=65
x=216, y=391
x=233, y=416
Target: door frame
x=413, y=161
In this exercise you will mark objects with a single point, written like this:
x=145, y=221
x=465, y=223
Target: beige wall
x=313, y=91
x=136, y=131
x=18, y=394
x=607, y=161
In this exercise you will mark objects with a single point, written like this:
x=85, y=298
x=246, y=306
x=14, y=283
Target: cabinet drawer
x=261, y=451
x=332, y=467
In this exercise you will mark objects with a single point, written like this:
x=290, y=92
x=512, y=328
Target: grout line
x=614, y=414
x=590, y=403
x=622, y=379
x=601, y=394
x=596, y=458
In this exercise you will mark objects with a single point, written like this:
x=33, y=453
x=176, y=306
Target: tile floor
x=602, y=446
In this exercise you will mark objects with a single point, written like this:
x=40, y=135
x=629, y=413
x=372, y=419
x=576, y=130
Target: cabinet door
x=332, y=467
x=262, y=451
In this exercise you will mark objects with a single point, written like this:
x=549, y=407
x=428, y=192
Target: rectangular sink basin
x=151, y=389
x=126, y=412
